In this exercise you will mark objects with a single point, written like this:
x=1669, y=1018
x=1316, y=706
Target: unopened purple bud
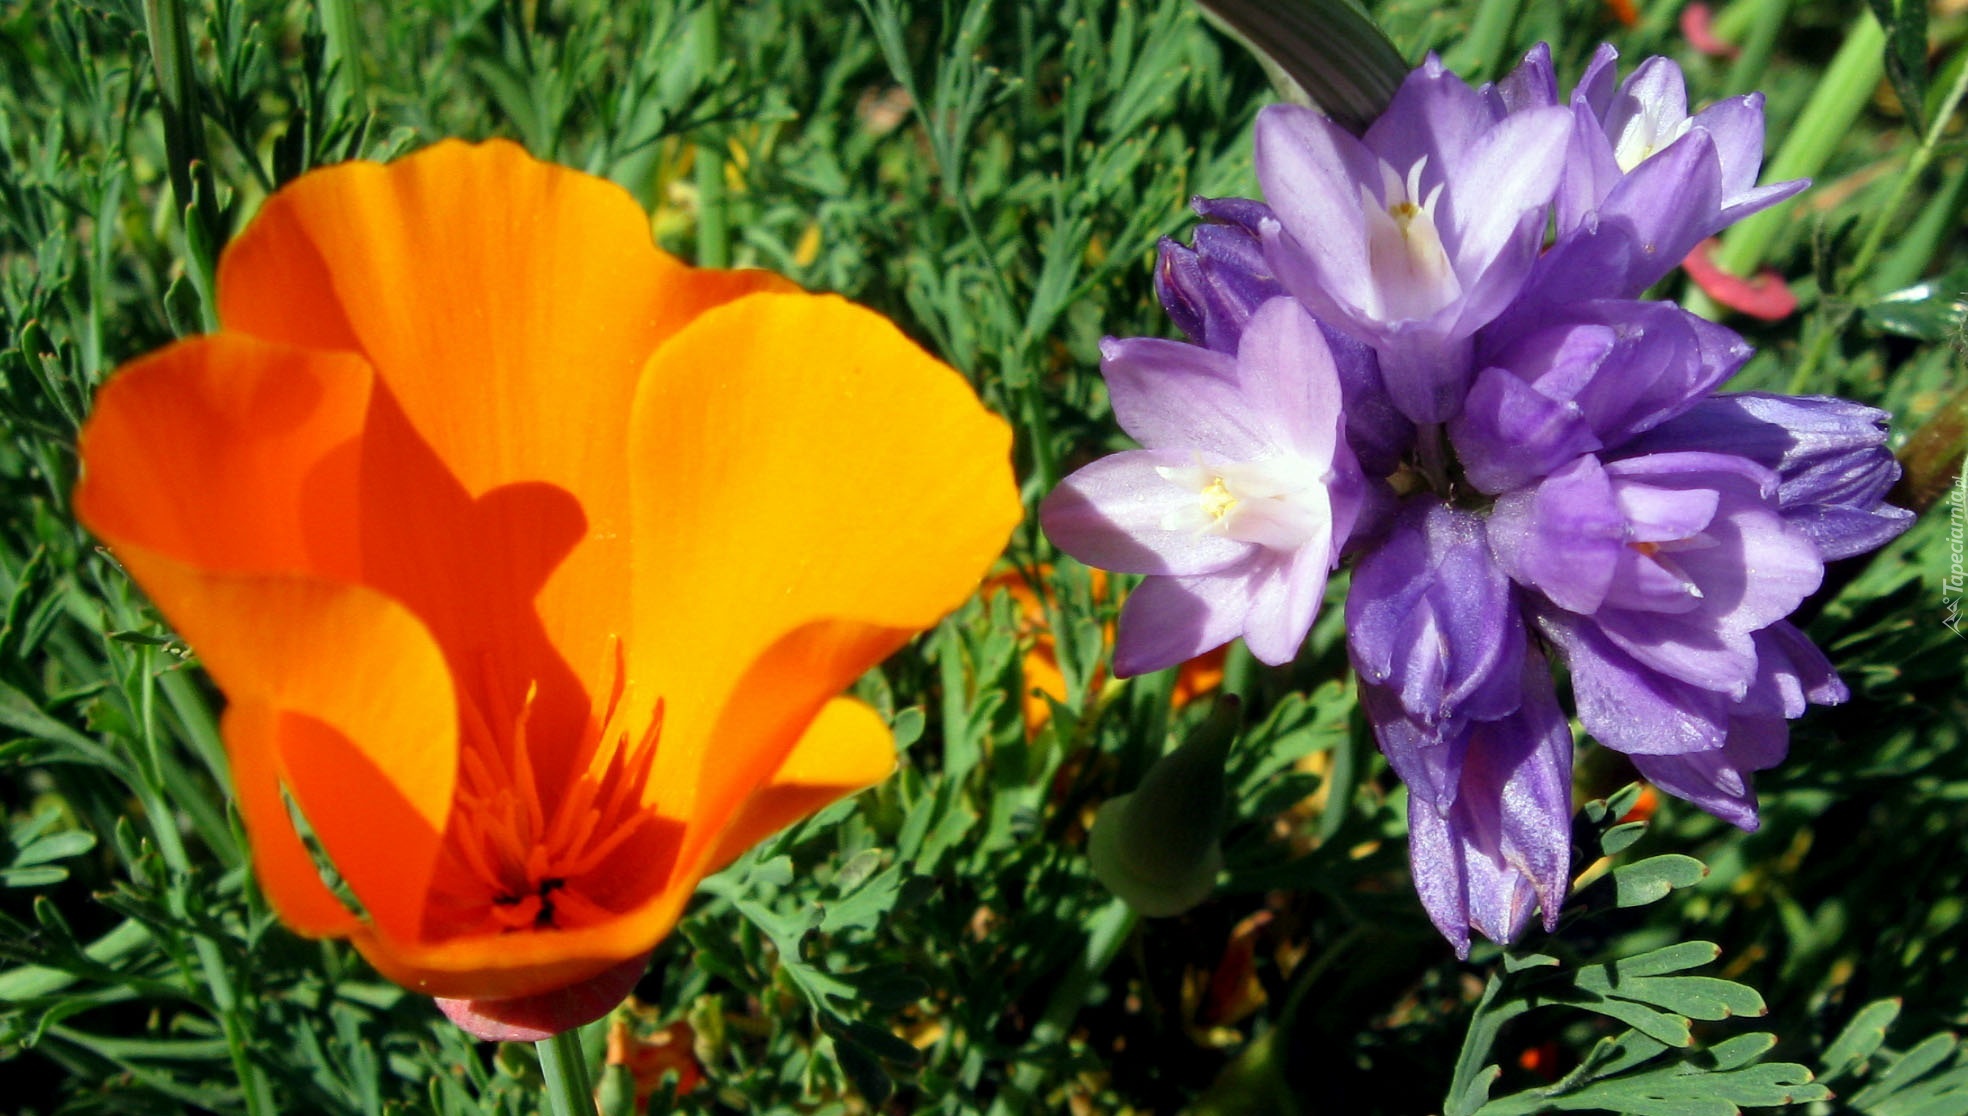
x=1830, y=457
x=1434, y=633
x=1180, y=285
x=1211, y=290
x=1504, y=847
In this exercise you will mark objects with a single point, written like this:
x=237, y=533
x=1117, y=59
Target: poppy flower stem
x=565, y=1067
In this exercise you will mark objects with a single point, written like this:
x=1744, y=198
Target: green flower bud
x=1158, y=848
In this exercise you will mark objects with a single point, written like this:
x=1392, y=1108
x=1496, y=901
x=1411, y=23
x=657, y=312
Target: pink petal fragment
x=1697, y=26
x=1766, y=296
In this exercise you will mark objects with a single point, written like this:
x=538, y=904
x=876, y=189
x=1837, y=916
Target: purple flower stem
x=1432, y=449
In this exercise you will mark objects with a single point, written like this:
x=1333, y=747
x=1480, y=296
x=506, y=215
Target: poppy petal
x=223, y=474
x=282, y=864
x=462, y=409
x=845, y=749
x=367, y=739
x=510, y=966
x=491, y=292
x=230, y=454
x=811, y=484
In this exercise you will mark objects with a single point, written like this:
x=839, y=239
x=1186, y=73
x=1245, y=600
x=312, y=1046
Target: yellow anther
x=1218, y=500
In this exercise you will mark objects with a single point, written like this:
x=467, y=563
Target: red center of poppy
x=516, y=860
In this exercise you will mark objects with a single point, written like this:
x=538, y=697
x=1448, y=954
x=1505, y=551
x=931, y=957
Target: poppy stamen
x=524, y=861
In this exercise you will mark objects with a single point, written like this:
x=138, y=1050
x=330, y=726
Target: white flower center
x=1411, y=268
x=1644, y=133
x=1280, y=502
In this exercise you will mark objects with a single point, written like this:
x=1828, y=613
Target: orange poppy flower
x=649, y=1059
x=531, y=561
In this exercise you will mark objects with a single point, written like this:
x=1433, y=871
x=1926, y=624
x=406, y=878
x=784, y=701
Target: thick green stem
x=713, y=231
x=1883, y=222
x=1826, y=121
x=344, y=34
x=1481, y=48
x=1884, y=219
x=1733, y=22
x=1934, y=229
x=1747, y=71
x=565, y=1067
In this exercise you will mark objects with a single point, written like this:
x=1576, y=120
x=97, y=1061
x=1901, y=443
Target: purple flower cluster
x=1523, y=459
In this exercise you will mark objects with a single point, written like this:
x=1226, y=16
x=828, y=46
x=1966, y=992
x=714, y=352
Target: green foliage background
x=994, y=176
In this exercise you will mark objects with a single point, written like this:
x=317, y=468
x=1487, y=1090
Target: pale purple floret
x=1648, y=112
x=1644, y=181
x=1417, y=234
x=1627, y=705
x=1434, y=632
x=1238, y=502
x=1210, y=292
x=1829, y=454
x=1580, y=378
x=1676, y=558
x=1792, y=673
x=1505, y=845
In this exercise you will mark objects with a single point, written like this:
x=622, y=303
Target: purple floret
x=1417, y=234
x=1238, y=502
x=1644, y=181
x=1830, y=457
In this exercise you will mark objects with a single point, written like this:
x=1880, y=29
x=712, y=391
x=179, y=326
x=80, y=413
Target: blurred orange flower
x=531, y=561
x=1644, y=805
x=1043, y=678
x=648, y=1059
